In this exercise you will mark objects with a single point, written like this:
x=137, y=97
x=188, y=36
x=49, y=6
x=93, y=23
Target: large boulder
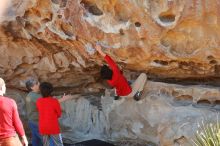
x=53, y=39
x=167, y=115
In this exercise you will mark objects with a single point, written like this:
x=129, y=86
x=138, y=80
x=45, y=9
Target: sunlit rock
x=171, y=40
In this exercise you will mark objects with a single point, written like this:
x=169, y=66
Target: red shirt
x=118, y=80
x=10, y=122
x=49, y=112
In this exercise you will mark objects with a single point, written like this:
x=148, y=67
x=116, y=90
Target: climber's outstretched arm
x=108, y=59
x=99, y=49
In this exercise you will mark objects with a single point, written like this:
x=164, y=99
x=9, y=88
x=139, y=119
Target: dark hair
x=46, y=89
x=106, y=72
x=30, y=83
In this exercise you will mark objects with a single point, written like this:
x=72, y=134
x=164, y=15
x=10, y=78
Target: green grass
x=208, y=134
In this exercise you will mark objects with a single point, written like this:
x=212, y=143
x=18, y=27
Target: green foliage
x=208, y=134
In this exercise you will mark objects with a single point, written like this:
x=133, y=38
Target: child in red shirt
x=49, y=112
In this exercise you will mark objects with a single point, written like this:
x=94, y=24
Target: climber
x=32, y=86
x=116, y=79
x=49, y=111
x=10, y=123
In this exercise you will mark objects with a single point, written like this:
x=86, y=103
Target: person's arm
x=37, y=105
x=58, y=108
x=67, y=97
x=18, y=124
x=24, y=140
x=107, y=58
x=99, y=49
x=29, y=108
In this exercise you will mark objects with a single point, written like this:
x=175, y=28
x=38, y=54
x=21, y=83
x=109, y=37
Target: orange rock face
x=52, y=39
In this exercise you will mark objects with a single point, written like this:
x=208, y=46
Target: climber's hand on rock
x=99, y=49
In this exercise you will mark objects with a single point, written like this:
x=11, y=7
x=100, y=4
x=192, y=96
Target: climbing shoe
x=116, y=97
x=137, y=96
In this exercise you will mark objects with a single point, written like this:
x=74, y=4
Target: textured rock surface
x=170, y=40
x=168, y=115
x=52, y=39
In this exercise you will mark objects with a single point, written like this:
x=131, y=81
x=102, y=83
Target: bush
x=208, y=134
